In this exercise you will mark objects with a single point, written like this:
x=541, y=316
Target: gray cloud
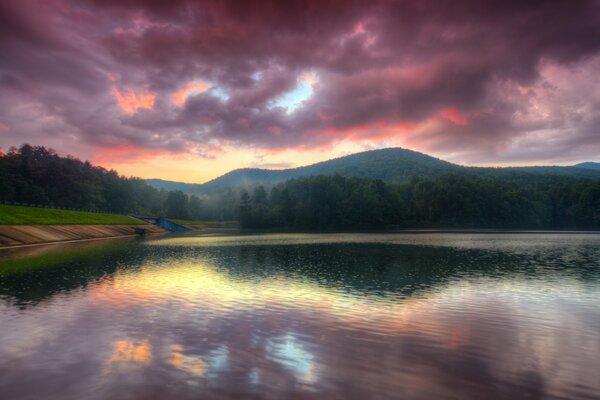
x=517, y=76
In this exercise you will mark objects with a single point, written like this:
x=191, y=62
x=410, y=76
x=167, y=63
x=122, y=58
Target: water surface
x=331, y=316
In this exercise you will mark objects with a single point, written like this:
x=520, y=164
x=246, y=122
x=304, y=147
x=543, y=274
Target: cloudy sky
x=187, y=90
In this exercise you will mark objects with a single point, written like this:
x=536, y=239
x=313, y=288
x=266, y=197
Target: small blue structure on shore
x=170, y=225
x=163, y=223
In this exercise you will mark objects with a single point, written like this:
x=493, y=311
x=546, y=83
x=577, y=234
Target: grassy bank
x=19, y=215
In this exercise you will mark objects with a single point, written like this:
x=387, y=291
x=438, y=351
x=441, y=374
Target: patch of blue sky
x=294, y=99
x=220, y=93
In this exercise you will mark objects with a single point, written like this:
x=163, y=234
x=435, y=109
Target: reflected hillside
x=29, y=275
x=382, y=269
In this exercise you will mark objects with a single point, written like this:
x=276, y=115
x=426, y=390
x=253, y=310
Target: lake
x=303, y=316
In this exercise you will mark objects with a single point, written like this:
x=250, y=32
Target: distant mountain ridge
x=394, y=165
x=170, y=185
x=588, y=165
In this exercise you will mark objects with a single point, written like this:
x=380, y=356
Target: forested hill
x=589, y=165
x=393, y=165
x=39, y=176
x=395, y=187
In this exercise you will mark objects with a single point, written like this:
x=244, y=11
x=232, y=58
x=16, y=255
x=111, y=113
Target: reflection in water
x=287, y=351
x=191, y=364
x=304, y=316
x=202, y=366
x=127, y=350
x=217, y=360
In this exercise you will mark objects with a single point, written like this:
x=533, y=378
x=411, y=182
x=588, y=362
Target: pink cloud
x=130, y=101
x=125, y=154
x=454, y=115
x=190, y=88
x=490, y=83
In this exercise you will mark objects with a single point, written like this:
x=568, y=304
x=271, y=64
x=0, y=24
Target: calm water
x=366, y=316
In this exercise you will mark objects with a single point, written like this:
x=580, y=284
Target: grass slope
x=19, y=215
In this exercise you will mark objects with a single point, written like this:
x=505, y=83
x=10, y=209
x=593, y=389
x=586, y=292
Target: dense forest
x=38, y=176
x=449, y=201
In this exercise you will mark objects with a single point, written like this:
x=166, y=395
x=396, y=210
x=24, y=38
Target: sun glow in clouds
x=131, y=101
x=454, y=115
x=100, y=76
x=191, y=88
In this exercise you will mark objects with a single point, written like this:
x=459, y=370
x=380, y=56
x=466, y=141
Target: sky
x=188, y=90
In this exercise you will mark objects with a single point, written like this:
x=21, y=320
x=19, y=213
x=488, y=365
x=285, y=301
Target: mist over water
x=335, y=316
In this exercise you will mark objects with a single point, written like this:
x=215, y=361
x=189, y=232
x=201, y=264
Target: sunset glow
x=191, y=88
x=130, y=101
x=226, y=85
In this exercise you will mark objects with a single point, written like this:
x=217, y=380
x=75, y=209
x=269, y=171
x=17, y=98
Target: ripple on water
x=305, y=316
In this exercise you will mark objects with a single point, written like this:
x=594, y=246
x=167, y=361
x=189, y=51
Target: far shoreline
x=243, y=232
x=419, y=231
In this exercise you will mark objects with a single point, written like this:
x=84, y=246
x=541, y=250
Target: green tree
x=177, y=205
x=195, y=207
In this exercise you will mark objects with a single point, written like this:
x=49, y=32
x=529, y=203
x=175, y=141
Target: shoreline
x=210, y=232
x=420, y=231
x=19, y=236
x=21, y=246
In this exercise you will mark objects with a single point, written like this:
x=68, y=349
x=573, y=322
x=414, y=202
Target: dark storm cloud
x=492, y=81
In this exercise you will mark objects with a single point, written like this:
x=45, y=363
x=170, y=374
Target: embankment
x=19, y=235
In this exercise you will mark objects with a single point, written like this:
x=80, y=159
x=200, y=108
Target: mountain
x=170, y=185
x=393, y=165
x=588, y=165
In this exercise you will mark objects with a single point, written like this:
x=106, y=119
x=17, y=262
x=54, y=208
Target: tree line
x=37, y=175
x=448, y=201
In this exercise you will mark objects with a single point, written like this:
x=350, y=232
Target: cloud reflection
x=194, y=365
x=129, y=352
x=267, y=321
x=289, y=352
